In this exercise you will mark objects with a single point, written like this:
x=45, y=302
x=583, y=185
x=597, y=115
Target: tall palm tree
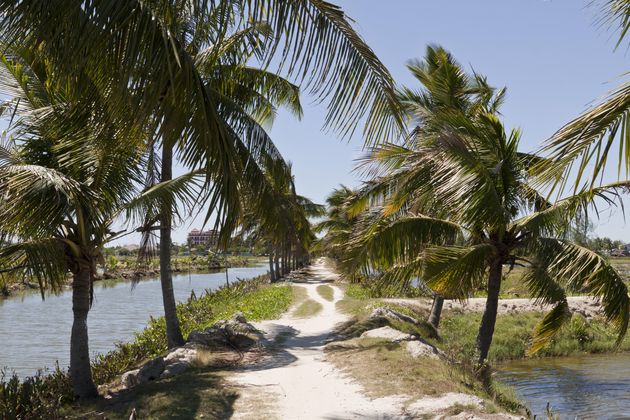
x=61, y=187
x=147, y=55
x=460, y=178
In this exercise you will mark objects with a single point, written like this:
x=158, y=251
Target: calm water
x=35, y=333
x=585, y=387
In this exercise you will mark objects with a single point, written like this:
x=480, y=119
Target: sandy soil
x=298, y=383
x=584, y=305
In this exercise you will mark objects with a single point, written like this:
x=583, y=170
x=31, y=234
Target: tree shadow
x=185, y=396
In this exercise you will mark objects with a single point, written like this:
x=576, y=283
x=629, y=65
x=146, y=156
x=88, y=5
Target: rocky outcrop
x=235, y=333
x=420, y=348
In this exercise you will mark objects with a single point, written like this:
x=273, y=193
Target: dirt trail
x=298, y=383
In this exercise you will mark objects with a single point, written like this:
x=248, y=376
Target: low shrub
x=39, y=396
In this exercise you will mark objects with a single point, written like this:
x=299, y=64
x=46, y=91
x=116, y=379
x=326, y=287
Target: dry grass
x=307, y=309
x=326, y=292
x=384, y=368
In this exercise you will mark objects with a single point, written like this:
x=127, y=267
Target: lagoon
x=35, y=333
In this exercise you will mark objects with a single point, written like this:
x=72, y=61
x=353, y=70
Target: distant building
x=206, y=237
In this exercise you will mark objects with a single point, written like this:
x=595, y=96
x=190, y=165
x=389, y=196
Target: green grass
x=307, y=309
x=513, y=334
x=255, y=298
x=326, y=292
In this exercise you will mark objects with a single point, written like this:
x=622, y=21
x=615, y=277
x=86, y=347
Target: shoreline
x=13, y=290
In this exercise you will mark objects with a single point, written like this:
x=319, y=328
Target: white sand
x=299, y=383
x=584, y=305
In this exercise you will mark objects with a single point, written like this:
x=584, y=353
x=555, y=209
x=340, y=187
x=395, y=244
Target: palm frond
x=455, y=271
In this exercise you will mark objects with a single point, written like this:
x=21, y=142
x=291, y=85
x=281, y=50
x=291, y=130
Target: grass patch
x=513, y=335
x=384, y=368
x=193, y=394
x=307, y=309
x=326, y=292
x=298, y=294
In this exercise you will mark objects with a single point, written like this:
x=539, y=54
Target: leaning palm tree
x=460, y=179
x=61, y=188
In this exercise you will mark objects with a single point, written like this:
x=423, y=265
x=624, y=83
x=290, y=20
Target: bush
x=35, y=397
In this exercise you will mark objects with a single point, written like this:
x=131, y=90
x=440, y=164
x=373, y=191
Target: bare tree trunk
x=276, y=259
x=80, y=370
x=173, y=332
x=486, y=329
x=436, y=311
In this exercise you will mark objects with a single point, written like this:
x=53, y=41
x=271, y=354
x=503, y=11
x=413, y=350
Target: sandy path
x=298, y=383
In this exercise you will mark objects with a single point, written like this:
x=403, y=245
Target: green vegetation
x=255, y=298
x=513, y=336
x=307, y=309
x=36, y=397
x=326, y=292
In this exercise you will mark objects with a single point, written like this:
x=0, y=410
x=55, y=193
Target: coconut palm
x=150, y=56
x=62, y=187
x=459, y=207
x=279, y=219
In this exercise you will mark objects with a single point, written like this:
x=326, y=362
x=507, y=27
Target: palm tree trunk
x=436, y=310
x=173, y=332
x=80, y=370
x=276, y=259
x=486, y=329
x=272, y=273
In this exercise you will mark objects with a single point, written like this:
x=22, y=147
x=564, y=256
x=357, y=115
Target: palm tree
x=279, y=219
x=460, y=179
x=150, y=56
x=61, y=189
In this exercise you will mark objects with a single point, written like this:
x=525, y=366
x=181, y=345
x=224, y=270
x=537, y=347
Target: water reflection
x=36, y=333
x=585, y=387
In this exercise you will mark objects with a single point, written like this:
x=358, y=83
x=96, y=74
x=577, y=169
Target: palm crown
x=460, y=179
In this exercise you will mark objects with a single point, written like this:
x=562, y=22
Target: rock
x=130, y=379
x=175, y=369
x=391, y=314
x=151, y=370
x=235, y=332
x=422, y=349
x=387, y=333
x=181, y=355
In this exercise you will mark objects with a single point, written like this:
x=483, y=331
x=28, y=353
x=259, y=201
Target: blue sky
x=551, y=55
